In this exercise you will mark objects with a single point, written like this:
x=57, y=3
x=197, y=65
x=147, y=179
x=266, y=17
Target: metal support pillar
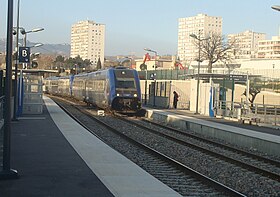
x=7, y=172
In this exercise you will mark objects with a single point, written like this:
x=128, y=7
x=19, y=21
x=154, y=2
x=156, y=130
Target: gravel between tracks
x=239, y=179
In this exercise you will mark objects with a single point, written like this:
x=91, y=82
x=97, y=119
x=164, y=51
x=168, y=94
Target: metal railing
x=177, y=74
x=258, y=113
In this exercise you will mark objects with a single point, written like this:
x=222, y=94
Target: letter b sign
x=24, y=55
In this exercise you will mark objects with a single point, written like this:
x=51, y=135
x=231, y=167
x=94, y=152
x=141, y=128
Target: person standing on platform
x=175, y=99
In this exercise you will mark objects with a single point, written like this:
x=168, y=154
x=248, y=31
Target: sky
x=132, y=25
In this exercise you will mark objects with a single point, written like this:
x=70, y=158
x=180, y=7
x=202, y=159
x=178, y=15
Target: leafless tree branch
x=214, y=49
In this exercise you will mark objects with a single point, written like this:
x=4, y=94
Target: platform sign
x=24, y=55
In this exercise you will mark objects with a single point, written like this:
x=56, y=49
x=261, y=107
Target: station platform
x=253, y=137
x=55, y=156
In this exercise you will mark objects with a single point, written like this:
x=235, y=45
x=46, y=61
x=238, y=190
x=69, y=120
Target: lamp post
x=23, y=32
x=16, y=65
x=37, y=45
x=198, y=66
x=276, y=7
x=7, y=172
x=155, y=66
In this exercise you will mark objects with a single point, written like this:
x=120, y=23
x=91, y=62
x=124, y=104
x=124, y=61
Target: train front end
x=125, y=90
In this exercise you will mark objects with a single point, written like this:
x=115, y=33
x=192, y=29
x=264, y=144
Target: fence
x=177, y=74
x=258, y=113
x=33, y=94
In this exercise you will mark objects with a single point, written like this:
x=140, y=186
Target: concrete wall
x=235, y=135
x=204, y=98
x=182, y=87
x=265, y=67
x=187, y=90
x=193, y=93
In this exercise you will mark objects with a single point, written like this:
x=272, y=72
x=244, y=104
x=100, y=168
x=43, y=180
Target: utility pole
x=7, y=172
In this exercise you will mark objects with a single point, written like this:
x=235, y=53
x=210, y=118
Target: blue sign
x=71, y=79
x=24, y=55
x=211, y=107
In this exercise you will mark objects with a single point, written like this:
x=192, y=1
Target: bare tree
x=253, y=91
x=215, y=48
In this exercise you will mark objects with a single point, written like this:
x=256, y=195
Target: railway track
x=176, y=175
x=261, y=165
x=253, y=177
x=241, y=177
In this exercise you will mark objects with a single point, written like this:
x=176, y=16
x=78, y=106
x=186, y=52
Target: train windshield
x=125, y=79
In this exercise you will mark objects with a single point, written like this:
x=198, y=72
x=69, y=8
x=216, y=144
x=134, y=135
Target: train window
x=124, y=74
x=124, y=79
x=125, y=84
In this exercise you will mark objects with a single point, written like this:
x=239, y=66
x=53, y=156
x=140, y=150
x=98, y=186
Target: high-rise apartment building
x=88, y=41
x=246, y=44
x=200, y=24
x=269, y=49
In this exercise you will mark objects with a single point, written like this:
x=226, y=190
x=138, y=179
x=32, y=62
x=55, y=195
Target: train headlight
x=118, y=94
x=135, y=95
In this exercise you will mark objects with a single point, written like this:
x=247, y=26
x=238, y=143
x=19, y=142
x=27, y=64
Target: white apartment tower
x=269, y=49
x=88, y=41
x=200, y=24
x=246, y=44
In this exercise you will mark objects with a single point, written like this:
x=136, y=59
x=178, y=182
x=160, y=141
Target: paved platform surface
x=261, y=129
x=257, y=138
x=55, y=156
x=47, y=165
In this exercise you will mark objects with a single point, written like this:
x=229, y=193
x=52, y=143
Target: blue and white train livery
x=116, y=89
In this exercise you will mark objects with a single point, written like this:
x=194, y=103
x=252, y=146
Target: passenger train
x=116, y=89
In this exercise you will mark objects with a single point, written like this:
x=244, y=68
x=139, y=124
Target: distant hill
x=55, y=49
